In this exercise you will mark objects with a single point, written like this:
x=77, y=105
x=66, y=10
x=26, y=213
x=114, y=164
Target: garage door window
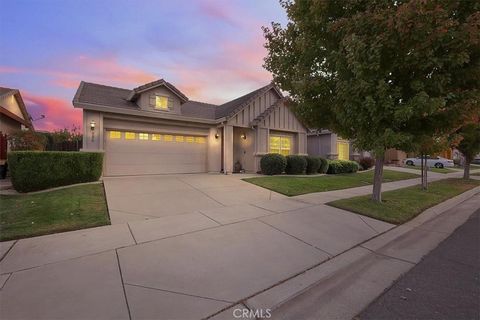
x=168, y=138
x=189, y=139
x=115, y=135
x=143, y=136
x=130, y=136
x=200, y=140
x=179, y=139
x=156, y=137
x=280, y=144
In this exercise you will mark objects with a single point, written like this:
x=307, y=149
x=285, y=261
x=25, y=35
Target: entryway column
x=228, y=148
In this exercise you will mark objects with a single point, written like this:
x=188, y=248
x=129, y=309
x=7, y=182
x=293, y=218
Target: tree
x=26, y=140
x=469, y=145
x=379, y=72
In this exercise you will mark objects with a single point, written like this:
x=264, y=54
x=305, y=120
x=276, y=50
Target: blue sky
x=212, y=50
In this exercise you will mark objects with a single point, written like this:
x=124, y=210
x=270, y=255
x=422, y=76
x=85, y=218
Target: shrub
x=33, y=170
x=366, y=163
x=323, y=165
x=342, y=166
x=273, y=163
x=296, y=164
x=313, y=164
x=26, y=140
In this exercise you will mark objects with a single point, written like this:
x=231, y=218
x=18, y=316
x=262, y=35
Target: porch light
x=216, y=135
x=243, y=136
x=92, y=128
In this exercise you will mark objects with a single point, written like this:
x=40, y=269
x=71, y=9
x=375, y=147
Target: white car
x=437, y=162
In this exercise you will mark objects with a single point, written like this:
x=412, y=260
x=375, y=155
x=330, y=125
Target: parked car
x=437, y=162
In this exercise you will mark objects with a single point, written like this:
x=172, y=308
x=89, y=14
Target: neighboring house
x=13, y=113
x=13, y=117
x=329, y=145
x=156, y=129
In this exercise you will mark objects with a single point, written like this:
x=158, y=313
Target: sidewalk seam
x=9, y=249
x=123, y=285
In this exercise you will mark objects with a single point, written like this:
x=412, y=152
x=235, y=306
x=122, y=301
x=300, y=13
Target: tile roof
x=104, y=95
x=92, y=93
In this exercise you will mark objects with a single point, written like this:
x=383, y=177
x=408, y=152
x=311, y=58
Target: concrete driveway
x=181, y=247
x=144, y=197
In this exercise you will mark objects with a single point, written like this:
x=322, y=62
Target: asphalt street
x=444, y=285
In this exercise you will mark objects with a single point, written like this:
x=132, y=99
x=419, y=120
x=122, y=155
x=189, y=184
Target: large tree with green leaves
x=379, y=72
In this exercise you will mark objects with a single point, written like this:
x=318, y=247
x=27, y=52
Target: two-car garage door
x=137, y=153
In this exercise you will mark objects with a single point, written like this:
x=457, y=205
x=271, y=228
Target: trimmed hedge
x=273, y=163
x=295, y=164
x=38, y=170
x=313, y=164
x=342, y=166
x=323, y=165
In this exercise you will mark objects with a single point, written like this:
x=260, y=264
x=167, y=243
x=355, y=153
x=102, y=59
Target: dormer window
x=161, y=102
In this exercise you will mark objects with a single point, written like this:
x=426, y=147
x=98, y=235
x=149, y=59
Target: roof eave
x=141, y=113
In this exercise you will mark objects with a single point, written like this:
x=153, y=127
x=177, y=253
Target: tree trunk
x=466, y=169
x=424, y=172
x=378, y=178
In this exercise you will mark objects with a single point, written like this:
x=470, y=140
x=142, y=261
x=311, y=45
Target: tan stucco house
x=156, y=129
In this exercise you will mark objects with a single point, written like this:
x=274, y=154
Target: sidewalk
x=444, y=285
x=343, y=286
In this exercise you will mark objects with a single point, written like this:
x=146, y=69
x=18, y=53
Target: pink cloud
x=58, y=113
x=105, y=70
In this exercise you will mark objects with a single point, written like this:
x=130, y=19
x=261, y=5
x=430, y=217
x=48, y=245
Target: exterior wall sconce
x=92, y=128
x=216, y=135
x=243, y=136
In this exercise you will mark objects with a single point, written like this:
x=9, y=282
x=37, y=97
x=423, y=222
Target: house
x=156, y=129
x=327, y=144
x=13, y=117
x=13, y=113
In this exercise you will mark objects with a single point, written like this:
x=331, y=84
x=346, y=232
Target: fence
x=3, y=146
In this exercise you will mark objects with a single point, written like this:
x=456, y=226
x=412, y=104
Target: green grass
x=437, y=170
x=79, y=207
x=401, y=205
x=293, y=186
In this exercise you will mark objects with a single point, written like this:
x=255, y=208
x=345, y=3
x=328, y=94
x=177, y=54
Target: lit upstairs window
x=161, y=102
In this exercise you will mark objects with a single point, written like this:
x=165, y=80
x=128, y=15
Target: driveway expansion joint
x=179, y=293
x=311, y=245
x=131, y=233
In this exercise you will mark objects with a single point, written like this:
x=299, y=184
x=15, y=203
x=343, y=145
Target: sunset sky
x=212, y=50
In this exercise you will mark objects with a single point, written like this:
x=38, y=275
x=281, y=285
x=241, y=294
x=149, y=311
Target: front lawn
x=73, y=208
x=437, y=170
x=401, y=205
x=294, y=186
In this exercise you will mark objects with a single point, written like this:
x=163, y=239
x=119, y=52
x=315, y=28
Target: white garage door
x=136, y=153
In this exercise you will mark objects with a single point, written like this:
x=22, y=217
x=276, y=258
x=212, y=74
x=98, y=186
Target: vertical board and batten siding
x=282, y=118
x=262, y=102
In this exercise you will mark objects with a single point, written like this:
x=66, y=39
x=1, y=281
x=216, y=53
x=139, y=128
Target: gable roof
x=155, y=84
x=107, y=96
x=27, y=120
x=230, y=108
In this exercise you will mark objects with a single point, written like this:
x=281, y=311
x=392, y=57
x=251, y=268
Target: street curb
x=328, y=271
